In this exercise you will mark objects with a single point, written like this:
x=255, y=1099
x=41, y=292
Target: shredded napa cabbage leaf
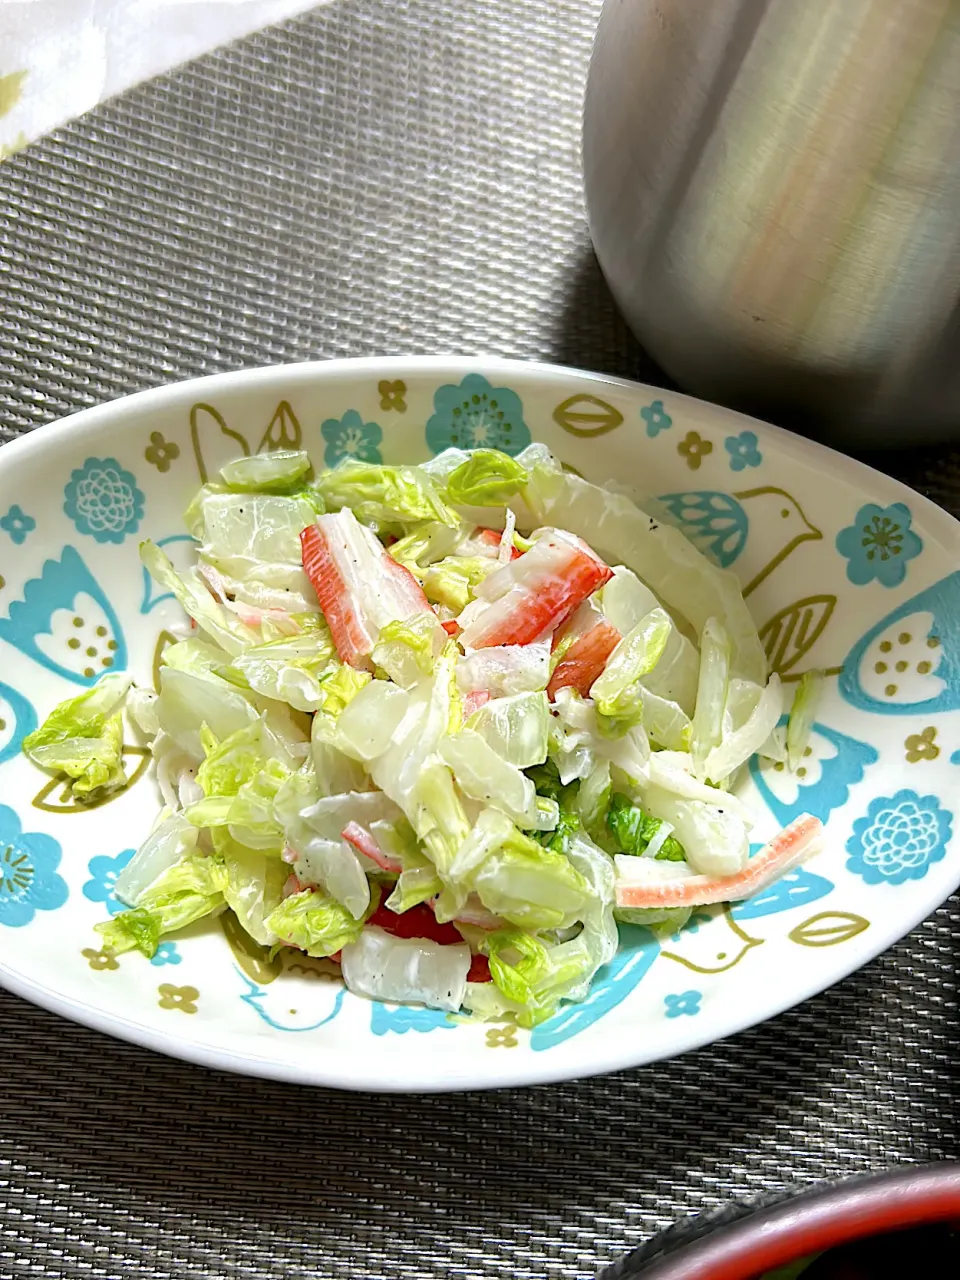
x=634, y=831
x=408, y=650
x=82, y=738
x=387, y=496
x=456, y=767
x=276, y=472
x=680, y=576
x=803, y=713
x=315, y=923
x=487, y=478
x=190, y=890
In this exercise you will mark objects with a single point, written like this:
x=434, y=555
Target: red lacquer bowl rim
x=811, y=1222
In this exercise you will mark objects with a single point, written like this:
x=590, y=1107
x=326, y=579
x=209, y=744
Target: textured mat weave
x=388, y=177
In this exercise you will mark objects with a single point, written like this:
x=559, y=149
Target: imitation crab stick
x=783, y=853
x=474, y=913
x=584, y=660
x=359, y=586
x=250, y=615
x=363, y=841
x=473, y=701
x=533, y=594
x=492, y=539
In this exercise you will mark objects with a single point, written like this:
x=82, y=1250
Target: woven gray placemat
x=388, y=177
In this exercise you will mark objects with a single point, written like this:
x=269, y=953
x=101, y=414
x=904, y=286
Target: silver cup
x=773, y=189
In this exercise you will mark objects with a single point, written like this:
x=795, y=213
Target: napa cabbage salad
x=445, y=724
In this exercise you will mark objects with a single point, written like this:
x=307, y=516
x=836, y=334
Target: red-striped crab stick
x=360, y=586
x=533, y=594
x=652, y=885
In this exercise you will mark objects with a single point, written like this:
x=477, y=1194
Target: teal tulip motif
x=833, y=763
x=909, y=661
x=65, y=622
x=17, y=719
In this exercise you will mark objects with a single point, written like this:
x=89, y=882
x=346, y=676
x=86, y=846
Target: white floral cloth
x=59, y=58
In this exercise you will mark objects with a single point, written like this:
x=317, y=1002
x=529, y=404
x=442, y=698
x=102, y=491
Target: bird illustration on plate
x=755, y=529
x=210, y=434
x=711, y=942
x=294, y=1003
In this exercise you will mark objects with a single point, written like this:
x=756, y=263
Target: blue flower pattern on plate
x=28, y=872
x=878, y=545
x=743, y=451
x=476, y=415
x=103, y=500
x=17, y=524
x=351, y=437
x=686, y=1004
x=899, y=838
x=104, y=871
x=30, y=620
x=656, y=418
x=166, y=953
x=17, y=719
x=612, y=984
x=932, y=619
x=838, y=773
x=403, y=1018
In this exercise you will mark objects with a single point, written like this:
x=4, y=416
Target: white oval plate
x=843, y=568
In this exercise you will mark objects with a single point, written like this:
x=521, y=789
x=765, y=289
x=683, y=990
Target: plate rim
x=540, y=1069
x=152, y=397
